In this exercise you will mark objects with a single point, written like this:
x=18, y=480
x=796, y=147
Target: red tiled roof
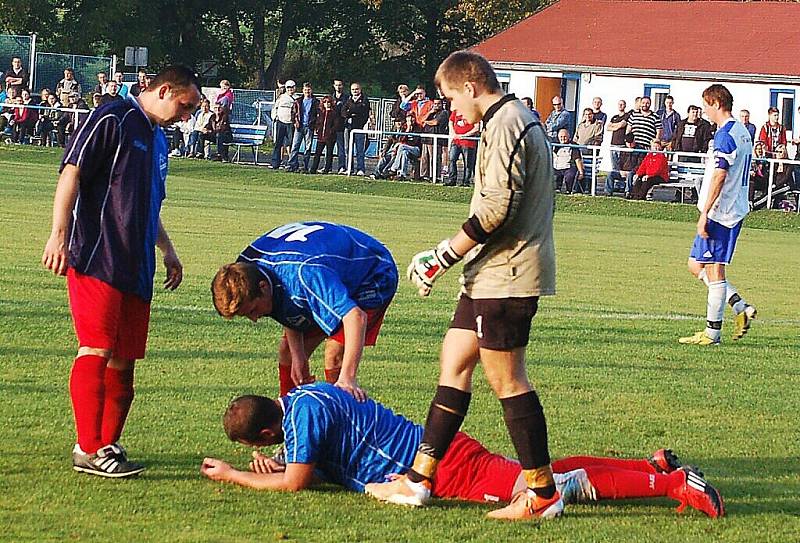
x=700, y=36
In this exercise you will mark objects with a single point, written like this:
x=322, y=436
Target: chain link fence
x=50, y=70
x=15, y=46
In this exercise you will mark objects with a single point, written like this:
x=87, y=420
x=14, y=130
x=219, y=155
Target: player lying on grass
x=318, y=280
x=330, y=437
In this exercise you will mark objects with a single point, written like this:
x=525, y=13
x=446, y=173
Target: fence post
x=771, y=181
x=433, y=160
x=594, y=171
x=350, y=154
x=32, y=67
x=113, y=65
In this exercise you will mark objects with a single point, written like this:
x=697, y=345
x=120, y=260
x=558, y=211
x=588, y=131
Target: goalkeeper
x=509, y=262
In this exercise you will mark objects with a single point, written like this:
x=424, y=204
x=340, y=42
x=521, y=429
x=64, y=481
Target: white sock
x=703, y=276
x=734, y=300
x=715, y=309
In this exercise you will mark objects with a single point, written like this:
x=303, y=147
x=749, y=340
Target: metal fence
x=50, y=70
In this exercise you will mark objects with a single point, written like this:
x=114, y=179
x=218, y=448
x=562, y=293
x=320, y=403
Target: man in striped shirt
x=645, y=125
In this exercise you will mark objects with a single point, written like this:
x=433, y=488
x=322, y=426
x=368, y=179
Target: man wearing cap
x=282, y=122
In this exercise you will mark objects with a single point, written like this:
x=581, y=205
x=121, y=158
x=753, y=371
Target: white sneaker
x=342, y=171
x=360, y=173
x=175, y=153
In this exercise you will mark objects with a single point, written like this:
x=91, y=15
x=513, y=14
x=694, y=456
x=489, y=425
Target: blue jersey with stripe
x=319, y=271
x=352, y=443
x=122, y=160
x=731, y=151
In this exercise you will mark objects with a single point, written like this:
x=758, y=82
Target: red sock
x=618, y=484
x=577, y=462
x=331, y=376
x=285, y=378
x=87, y=391
x=119, y=396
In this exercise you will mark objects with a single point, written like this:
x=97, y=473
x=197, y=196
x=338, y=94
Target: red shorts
x=374, y=323
x=470, y=472
x=106, y=318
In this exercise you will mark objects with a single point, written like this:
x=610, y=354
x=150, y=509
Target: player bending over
x=318, y=280
x=723, y=205
x=328, y=436
x=106, y=227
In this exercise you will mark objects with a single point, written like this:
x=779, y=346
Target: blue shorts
x=718, y=247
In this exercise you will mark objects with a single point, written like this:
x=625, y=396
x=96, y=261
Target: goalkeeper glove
x=427, y=266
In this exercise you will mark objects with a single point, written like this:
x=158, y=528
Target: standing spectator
x=201, y=135
x=43, y=97
x=112, y=93
x=141, y=83
x=400, y=107
x=102, y=81
x=669, y=121
x=398, y=159
x=744, y=117
x=617, y=126
x=339, y=99
x=529, y=104
x=16, y=77
x=458, y=126
x=225, y=97
x=759, y=175
x=356, y=113
x=431, y=125
x=589, y=131
x=67, y=86
x=420, y=107
x=558, y=119
x=122, y=88
x=220, y=124
x=282, y=122
x=645, y=124
x=327, y=124
x=304, y=117
x=599, y=116
x=693, y=134
x=772, y=133
x=568, y=170
x=653, y=171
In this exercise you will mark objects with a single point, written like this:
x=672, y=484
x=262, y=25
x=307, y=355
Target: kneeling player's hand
x=214, y=469
x=352, y=388
x=427, y=266
x=262, y=463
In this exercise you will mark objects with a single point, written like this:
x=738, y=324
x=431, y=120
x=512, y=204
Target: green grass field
x=603, y=356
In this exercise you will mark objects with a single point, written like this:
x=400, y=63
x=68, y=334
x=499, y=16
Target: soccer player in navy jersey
x=106, y=226
x=330, y=437
x=319, y=280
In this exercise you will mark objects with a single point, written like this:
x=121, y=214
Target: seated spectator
x=70, y=120
x=112, y=93
x=7, y=111
x=220, y=125
x=201, y=136
x=466, y=148
x=627, y=163
x=327, y=124
x=102, y=81
x=589, y=131
x=182, y=133
x=558, y=119
x=24, y=119
x=784, y=173
x=568, y=168
x=96, y=100
x=744, y=117
x=67, y=86
x=669, y=121
x=653, y=171
x=400, y=157
x=692, y=134
x=759, y=174
x=47, y=121
x=225, y=97
x=772, y=133
x=45, y=92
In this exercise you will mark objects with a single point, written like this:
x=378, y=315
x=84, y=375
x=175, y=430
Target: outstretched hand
x=214, y=469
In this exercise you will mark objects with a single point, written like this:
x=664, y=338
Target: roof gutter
x=643, y=72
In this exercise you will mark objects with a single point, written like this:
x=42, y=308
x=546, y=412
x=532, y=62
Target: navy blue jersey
x=122, y=158
x=352, y=443
x=320, y=271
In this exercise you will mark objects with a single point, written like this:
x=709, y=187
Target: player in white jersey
x=723, y=206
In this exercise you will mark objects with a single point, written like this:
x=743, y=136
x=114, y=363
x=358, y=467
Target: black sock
x=524, y=419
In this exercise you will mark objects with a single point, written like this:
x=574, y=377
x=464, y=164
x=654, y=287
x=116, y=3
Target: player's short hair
x=247, y=416
x=720, y=95
x=463, y=66
x=234, y=285
x=179, y=77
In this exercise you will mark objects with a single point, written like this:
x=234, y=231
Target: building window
x=657, y=94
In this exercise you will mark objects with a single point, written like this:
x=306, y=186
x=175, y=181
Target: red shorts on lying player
x=469, y=471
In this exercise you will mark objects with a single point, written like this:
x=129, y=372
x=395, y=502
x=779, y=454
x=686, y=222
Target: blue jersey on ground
x=352, y=443
x=122, y=158
x=320, y=271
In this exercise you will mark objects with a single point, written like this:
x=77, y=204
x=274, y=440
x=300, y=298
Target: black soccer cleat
x=111, y=461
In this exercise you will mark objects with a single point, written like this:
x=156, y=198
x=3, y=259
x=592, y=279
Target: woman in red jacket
x=327, y=124
x=23, y=119
x=653, y=171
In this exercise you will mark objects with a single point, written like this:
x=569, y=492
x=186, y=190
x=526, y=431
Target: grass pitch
x=603, y=356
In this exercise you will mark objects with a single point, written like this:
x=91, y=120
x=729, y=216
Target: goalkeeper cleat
x=110, y=461
x=699, y=338
x=664, y=461
x=527, y=505
x=401, y=491
x=692, y=490
x=742, y=321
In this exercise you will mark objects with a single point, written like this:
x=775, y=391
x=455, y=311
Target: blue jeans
x=194, y=139
x=281, y=135
x=302, y=135
x=404, y=159
x=341, y=150
x=468, y=155
x=359, y=143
